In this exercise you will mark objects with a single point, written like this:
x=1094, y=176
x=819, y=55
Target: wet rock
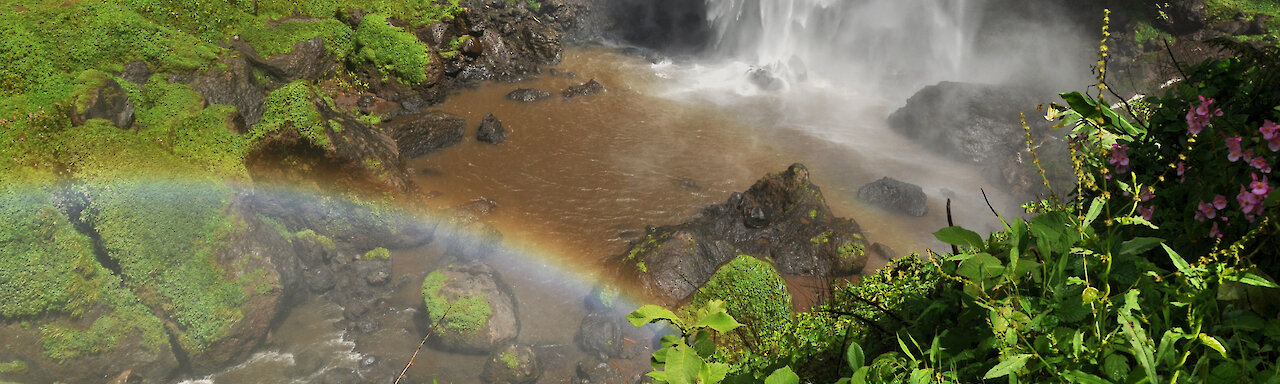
x=895, y=195
x=108, y=101
x=591, y=87
x=308, y=60
x=127, y=377
x=783, y=217
x=764, y=79
x=374, y=272
x=155, y=363
x=514, y=364
x=528, y=95
x=602, y=298
x=593, y=371
x=600, y=335
x=232, y=83
x=418, y=135
x=483, y=314
x=343, y=226
x=490, y=130
x=319, y=280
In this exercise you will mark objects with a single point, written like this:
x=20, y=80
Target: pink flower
x=1205, y=211
x=1214, y=233
x=1182, y=171
x=1119, y=157
x=1271, y=133
x=1148, y=193
x=1261, y=164
x=1146, y=212
x=1234, y=153
x=1220, y=202
x=1259, y=187
x=1198, y=117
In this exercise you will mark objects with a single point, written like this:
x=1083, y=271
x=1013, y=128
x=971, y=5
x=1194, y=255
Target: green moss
x=650, y=243
x=324, y=241
x=642, y=267
x=378, y=253
x=851, y=250
x=509, y=359
x=47, y=266
x=291, y=107
x=466, y=315
x=266, y=41
x=125, y=316
x=822, y=238
x=392, y=50
x=754, y=294
x=277, y=226
x=13, y=367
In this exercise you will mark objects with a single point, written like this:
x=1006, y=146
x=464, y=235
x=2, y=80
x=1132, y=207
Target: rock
x=514, y=364
x=342, y=226
x=591, y=87
x=374, y=272
x=308, y=60
x=783, y=217
x=155, y=363
x=764, y=79
x=483, y=314
x=600, y=335
x=108, y=101
x=895, y=195
x=602, y=298
x=418, y=135
x=127, y=377
x=528, y=95
x=137, y=72
x=593, y=371
x=230, y=82
x=490, y=130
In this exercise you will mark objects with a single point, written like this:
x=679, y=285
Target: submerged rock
x=591, y=87
x=490, y=130
x=594, y=371
x=528, y=95
x=783, y=218
x=475, y=312
x=601, y=335
x=514, y=364
x=889, y=193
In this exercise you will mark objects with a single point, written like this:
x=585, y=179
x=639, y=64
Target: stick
x=424, y=342
x=954, y=250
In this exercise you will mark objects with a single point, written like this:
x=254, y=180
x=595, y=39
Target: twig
x=424, y=342
x=859, y=318
x=984, y=198
x=954, y=250
x=1176, y=65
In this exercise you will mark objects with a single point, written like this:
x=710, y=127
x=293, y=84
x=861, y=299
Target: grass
x=1226, y=9
x=378, y=253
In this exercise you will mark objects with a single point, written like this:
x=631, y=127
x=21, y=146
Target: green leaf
x=652, y=313
x=1212, y=342
x=703, y=344
x=1090, y=295
x=1252, y=279
x=1137, y=336
x=1183, y=267
x=1081, y=104
x=959, y=236
x=715, y=317
x=854, y=356
x=1116, y=366
x=1007, y=366
x=713, y=373
x=1139, y=245
x=1083, y=378
x=782, y=375
x=683, y=365
x=1095, y=209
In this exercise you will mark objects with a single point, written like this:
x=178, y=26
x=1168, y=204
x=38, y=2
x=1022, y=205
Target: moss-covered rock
x=391, y=50
x=754, y=294
x=475, y=314
x=513, y=364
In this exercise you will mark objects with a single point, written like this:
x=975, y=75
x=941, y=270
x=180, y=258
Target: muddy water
x=577, y=179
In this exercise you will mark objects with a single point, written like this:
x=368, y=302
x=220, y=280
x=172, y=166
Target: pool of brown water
x=576, y=179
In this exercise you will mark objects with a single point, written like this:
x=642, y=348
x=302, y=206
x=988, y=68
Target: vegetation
x=462, y=316
x=751, y=291
x=292, y=107
x=378, y=253
x=392, y=50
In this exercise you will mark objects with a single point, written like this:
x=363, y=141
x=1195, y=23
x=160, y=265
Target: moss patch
x=754, y=294
x=126, y=316
x=466, y=315
x=509, y=359
x=47, y=266
x=291, y=107
x=392, y=50
x=378, y=253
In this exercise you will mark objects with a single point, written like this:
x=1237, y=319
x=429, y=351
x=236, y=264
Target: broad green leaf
x=1137, y=336
x=1007, y=366
x=1139, y=245
x=1116, y=366
x=1252, y=279
x=651, y=313
x=1183, y=267
x=658, y=376
x=717, y=319
x=703, y=344
x=860, y=376
x=713, y=373
x=1212, y=342
x=1083, y=378
x=782, y=375
x=1081, y=104
x=683, y=365
x=922, y=376
x=959, y=236
x=854, y=356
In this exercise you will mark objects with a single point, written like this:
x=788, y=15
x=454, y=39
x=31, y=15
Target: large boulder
x=981, y=124
x=106, y=101
x=783, y=218
x=889, y=193
x=231, y=82
x=424, y=133
x=309, y=60
x=140, y=346
x=475, y=312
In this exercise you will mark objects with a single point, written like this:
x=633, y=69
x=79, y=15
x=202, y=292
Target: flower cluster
x=1119, y=158
x=1198, y=117
x=1271, y=133
x=1251, y=198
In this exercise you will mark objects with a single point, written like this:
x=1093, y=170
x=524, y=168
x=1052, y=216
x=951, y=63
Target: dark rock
x=319, y=280
x=591, y=87
x=490, y=130
x=528, y=95
x=108, y=101
x=137, y=72
x=474, y=280
x=421, y=134
x=884, y=251
x=232, y=83
x=1187, y=16
x=355, y=310
x=374, y=272
x=367, y=325
x=600, y=335
x=783, y=217
x=895, y=195
x=514, y=364
x=308, y=60
x=764, y=79
x=593, y=371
